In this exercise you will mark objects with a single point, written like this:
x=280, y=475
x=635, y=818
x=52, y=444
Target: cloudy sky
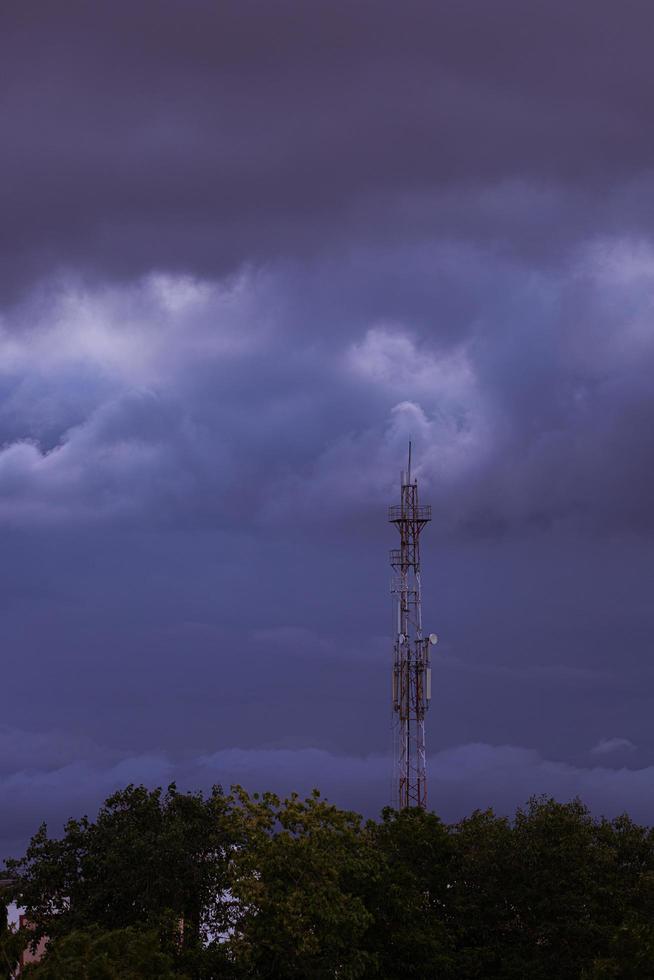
x=248, y=250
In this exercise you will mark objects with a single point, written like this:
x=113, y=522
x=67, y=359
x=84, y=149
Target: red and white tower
x=411, y=666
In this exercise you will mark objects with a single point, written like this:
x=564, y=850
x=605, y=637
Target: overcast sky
x=247, y=250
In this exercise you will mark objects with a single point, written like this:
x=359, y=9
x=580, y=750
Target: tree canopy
x=240, y=886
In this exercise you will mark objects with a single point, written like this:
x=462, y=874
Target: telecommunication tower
x=411, y=665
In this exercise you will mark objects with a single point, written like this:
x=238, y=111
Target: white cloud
x=118, y=363
x=607, y=746
x=510, y=412
x=618, y=261
x=461, y=778
x=137, y=333
x=92, y=473
x=388, y=356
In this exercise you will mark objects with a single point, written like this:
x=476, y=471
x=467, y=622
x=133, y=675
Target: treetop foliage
x=171, y=884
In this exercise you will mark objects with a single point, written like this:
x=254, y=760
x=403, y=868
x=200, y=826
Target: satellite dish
x=433, y=639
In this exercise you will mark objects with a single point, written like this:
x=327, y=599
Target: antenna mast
x=411, y=665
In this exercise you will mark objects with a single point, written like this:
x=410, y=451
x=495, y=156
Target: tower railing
x=420, y=512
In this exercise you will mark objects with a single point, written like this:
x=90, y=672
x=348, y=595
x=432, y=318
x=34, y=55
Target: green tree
x=551, y=894
x=483, y=919
x=12, y=942
x=94, y=954
x=409, y=896
x=582, y=881
x=252, y=887
x=630, y=955
x=148, y=854
x=301, y=885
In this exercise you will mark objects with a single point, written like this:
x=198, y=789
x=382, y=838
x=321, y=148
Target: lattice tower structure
x=411, y=663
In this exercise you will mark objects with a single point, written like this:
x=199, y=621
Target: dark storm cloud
x=199, y=135
x=248, y=251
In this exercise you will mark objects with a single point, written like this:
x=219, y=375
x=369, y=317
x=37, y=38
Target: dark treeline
x=170, y=884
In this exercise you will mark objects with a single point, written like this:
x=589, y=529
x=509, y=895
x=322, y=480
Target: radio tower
x=411, y=667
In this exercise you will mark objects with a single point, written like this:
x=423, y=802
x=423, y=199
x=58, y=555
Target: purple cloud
x=245, y=257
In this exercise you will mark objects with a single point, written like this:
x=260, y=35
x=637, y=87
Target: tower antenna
x=411, y=664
